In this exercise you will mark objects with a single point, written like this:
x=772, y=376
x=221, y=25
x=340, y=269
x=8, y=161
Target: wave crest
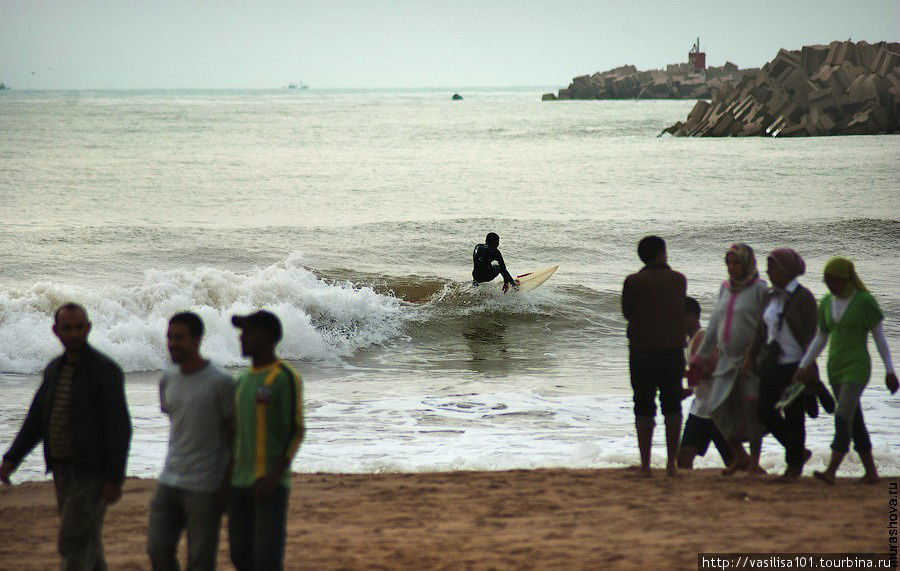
x=323, y=320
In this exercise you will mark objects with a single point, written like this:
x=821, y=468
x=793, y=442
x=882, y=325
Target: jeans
x=848, y=420
x=81, y=509
x=790, y=430
x=256, y=529
x=174, y=510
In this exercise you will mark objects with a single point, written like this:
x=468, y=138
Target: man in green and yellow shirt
x=268, y=431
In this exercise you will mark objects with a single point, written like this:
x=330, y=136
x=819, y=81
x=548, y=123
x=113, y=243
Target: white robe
x=732, y=400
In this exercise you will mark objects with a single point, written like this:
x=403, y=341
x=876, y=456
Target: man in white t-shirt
x=190, y=495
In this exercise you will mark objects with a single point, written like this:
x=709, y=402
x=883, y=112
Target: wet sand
x=587, y=519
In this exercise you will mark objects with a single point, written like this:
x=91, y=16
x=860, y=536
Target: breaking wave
x=323, y=319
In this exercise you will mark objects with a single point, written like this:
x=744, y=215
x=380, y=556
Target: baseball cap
x=264, y=320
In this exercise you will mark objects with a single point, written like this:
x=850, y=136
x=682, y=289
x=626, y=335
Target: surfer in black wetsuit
x=489, y=262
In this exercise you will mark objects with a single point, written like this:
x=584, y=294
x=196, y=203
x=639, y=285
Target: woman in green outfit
x=846, y=316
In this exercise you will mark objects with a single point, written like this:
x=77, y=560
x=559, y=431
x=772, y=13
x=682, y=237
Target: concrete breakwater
x=844, y=88
x=677, y=81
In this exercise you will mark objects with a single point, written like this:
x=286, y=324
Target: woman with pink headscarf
x=786, y=329
x=733, y=398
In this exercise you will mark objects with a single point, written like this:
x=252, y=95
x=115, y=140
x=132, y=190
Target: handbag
x=767, y=360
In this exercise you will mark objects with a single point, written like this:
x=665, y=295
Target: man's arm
x=503, y=271
x=227, y=391
x=711, y=340
x=29, y=435
x=627, y=301
x=117, y=428
x=163, y=383
x=290, y=409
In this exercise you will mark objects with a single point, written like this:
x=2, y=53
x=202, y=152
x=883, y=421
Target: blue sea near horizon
x=333, y=207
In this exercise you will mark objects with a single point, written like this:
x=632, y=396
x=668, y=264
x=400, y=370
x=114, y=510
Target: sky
x=166, y=44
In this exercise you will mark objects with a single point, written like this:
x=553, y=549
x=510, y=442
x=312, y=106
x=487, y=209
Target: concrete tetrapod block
x=812, y=58
x=792, y=130
x=885, y=62
x=864, y=88
x=866, y=54
x=837, y=53
x=698, y=112
x=822, y=76
x=844, y=89
x=784, y=59
x=868, y=121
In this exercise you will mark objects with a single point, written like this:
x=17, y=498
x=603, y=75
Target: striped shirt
x=59, y=433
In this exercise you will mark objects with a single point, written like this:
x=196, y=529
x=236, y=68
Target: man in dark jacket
x=80, y=414
x=653, y=305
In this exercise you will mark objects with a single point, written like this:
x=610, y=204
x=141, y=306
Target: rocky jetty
x=844, y=88
x=677, y=81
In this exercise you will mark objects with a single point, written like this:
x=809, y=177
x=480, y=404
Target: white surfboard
x=535, y=279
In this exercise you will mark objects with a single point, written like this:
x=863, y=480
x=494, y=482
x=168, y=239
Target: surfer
x=488, y=263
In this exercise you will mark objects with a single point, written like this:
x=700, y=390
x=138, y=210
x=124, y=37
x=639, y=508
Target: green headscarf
x=843, y=268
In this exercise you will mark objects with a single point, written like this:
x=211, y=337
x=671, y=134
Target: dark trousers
x=652, y=370
x=256, y=529
x=174, y=510
x=699, y=432
x=81, y=510
x=485, y=273
x=849, y=421
x=790, y=430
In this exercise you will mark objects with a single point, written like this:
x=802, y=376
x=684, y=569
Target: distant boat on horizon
x=301, y=85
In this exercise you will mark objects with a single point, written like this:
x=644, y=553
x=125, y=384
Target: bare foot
x=825, y=477
x=646, y=473
x=672, y=470
x=739, y=464
x=756, y=470
x=868, y=479
x=791, y=474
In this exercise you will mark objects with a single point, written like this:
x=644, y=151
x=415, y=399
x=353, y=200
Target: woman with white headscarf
x=732, y=328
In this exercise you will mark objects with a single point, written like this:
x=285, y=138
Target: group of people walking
x=231, y=443
x=753, y=371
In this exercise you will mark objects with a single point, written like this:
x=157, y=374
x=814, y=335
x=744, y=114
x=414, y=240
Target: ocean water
x=335, y=209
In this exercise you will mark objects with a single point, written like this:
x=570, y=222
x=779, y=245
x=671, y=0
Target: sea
x=352, y=215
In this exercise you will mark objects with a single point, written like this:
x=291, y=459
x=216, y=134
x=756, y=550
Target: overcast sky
x=82, y=44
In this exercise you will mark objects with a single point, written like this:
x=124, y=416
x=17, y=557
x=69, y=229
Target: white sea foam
x=322, y=321
x=492, y=431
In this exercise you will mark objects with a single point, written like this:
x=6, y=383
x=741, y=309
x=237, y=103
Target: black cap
x=264, y=320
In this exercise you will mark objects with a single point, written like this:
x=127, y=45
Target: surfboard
x=533, y=280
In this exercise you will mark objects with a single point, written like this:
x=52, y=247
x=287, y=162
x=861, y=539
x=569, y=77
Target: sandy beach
x=586, y=519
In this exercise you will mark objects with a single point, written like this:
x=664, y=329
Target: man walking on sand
x=198, y=397
x=653, y=304
x=80, y=414
x=269, y=429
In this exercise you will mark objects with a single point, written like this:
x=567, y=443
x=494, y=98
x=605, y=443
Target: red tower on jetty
x=696, y=58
